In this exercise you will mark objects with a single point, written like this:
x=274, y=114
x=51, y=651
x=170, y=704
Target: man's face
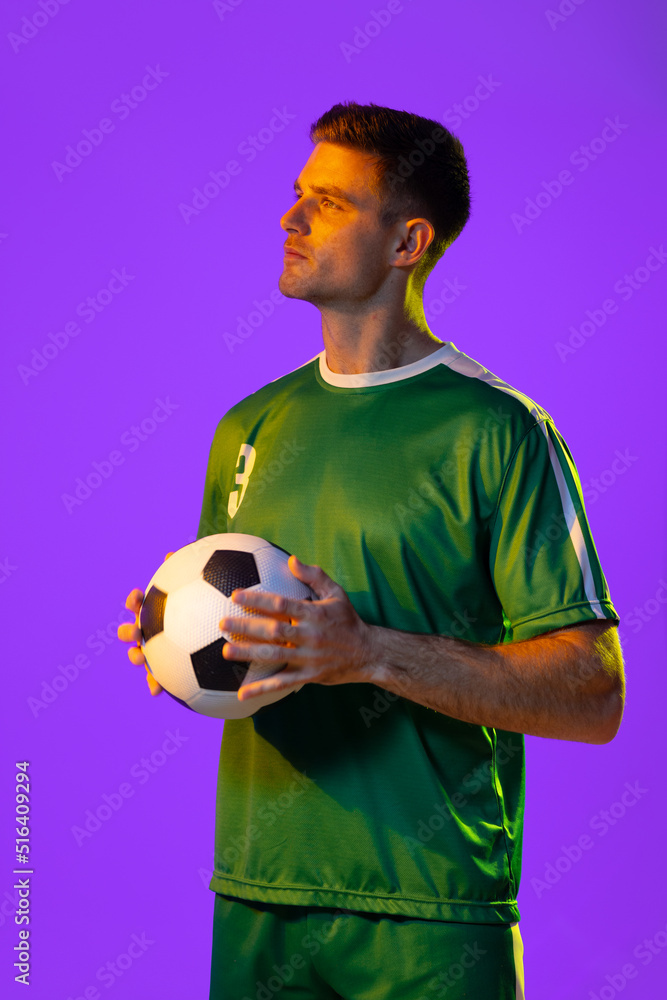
x=334, y=223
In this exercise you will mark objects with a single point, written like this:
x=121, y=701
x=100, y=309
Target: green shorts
x=263, y=951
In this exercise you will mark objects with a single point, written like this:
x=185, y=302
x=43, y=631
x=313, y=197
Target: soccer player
x=369, y=826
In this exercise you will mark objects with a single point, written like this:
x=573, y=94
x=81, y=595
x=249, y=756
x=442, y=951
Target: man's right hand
x=129, y=632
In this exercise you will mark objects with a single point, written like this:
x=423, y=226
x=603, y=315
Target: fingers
x=134, y=599
x=136, y=656
x=129, y=632
x=270, y=629
x=155, y=688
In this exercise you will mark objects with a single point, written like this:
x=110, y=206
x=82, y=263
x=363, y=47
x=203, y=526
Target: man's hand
x=323, y=641
x=129, y=632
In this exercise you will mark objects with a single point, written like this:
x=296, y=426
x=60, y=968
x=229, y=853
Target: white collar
x=443, y=354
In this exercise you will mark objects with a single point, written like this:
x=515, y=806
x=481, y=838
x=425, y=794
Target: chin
x=293, y=289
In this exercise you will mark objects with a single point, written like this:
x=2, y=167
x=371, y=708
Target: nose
x=293, y=221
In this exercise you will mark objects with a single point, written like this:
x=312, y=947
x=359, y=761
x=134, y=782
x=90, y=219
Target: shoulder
x=273, y=393
x=488, y=417
x=484, y=388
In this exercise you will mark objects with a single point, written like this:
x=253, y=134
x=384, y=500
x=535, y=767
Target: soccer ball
x=179, y=618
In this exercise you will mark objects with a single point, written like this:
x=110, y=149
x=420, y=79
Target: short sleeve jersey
x=443, y=501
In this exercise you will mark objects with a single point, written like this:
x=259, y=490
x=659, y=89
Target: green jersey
x=443, y=501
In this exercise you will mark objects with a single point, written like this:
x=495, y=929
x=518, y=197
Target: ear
x=414, y=237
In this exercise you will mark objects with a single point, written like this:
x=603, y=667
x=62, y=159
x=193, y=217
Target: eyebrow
x=328, y=189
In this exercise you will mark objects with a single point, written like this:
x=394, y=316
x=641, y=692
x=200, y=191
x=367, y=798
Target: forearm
x=556, y=685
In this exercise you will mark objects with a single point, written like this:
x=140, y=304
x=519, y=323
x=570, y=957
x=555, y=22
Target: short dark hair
x=421, y=167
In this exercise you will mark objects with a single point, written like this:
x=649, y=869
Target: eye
x=325, y=201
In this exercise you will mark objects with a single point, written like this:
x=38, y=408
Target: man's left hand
x=323, y=641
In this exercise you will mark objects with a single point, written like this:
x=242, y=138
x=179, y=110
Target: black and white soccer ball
x=183, y=605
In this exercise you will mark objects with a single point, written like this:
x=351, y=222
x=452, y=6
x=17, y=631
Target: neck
x=372, y=336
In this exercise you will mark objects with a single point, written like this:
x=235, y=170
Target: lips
x=291, y=252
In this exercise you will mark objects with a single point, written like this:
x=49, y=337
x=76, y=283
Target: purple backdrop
x=127, y=295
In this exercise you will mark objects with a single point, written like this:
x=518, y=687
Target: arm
x=566, y=684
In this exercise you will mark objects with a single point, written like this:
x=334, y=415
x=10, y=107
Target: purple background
x=553, y=83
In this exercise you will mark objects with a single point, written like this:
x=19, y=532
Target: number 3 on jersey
x=246, y=460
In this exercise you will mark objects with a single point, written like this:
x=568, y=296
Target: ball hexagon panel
x=258, y=670
x=173, y=573
x=151, y=616
x=215, y=673
x=228, y=570
x=229, y=707
x=276, y=576
x=182, y=681
x=193, y=613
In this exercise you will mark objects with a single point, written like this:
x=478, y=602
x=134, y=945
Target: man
x=368, y=829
